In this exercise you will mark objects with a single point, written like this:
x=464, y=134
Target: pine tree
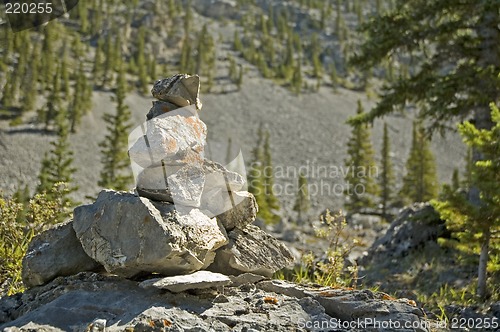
x=239, y=81
x=48, y=59
x=64, y=71
x=435, y=82
x=386, y=179
x=57, y=165
x=297, y=79
x=237, y=45
x=455, y=180
x=97, y=71
x=233, y=74
x=115, y=173
x=420, y=182
x=333, y=76
x=141, y=60
x=477, y=225
x=302, y=202
x=272, y=200
x=52, y=108
x=316, y=62
x=82, y=99
x=259, y=180
x=361, y=167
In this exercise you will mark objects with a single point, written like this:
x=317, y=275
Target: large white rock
x=128, y=235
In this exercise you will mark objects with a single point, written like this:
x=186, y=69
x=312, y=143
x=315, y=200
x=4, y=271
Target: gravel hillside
x=305, y=130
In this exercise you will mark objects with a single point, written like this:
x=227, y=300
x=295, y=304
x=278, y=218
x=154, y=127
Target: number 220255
x=28, y=8
x=474, y=323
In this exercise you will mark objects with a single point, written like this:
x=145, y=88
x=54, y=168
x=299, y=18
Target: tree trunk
x=483, y=262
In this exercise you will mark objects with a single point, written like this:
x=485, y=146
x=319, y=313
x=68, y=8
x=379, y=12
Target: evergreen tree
x=477, y=225
x=185, y=65
x=239, y=81
x=420, y=182
x=115, y=173
x=82, y=99
x=64, y=71
x=9, y=92
x=259, y=180
x=297, y=79
x=141, y=60
x=30, y=81
x=57, y=165
x=52, y=108
x=386, y=180
x=233, y=74
x=302, y=202
x=361, y=167
x=237, y=45
x=97, y=71
x=455, y=180
x=316, y=62
x=48, y=59
x=272, y=200
x=438, y=82
x=333, y=75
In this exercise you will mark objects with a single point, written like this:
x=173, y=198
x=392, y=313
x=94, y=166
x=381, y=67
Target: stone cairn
x=187, y=213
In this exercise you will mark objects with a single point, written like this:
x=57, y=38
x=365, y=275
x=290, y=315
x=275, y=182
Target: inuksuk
x=187, y=213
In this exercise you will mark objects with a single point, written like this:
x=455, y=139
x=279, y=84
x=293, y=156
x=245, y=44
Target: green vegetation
x=261, y=179
x=116, y=164
x=473, y=222
x=332, y=271
x=302, y=202
x=57, y=166
x=420, y=182
x=362, y=168
x=386, y=176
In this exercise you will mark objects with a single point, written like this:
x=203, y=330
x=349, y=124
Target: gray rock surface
x=196, y=280
x=159, y=108
x=415, y=226
x=251, y=250
x=55, y=252
x=347, y=305
x=93, y=302
x=128, y=235
x=243, y=213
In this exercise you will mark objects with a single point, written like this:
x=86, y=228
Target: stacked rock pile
x=187, y=214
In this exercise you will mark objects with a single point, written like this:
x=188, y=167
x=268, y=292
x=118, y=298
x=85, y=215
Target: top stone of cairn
x=181, y=90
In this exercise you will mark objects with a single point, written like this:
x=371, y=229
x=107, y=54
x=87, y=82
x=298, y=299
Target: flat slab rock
x=93, y=302
x=196, y=280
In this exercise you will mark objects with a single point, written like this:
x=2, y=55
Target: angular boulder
x=128, y=235
x=55, y=252
x=243, y=213
x=251, y=250
x=181, y=90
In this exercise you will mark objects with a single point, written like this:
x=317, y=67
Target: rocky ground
x=93, y=302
